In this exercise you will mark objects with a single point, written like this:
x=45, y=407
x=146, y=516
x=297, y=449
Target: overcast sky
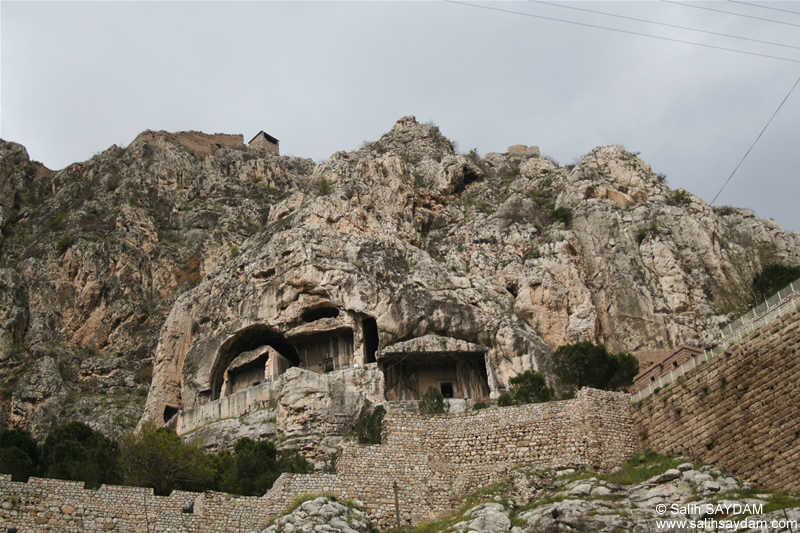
x=76, y=78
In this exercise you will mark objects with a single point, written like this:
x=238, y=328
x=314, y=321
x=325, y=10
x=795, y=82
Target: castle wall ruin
x=738, y=411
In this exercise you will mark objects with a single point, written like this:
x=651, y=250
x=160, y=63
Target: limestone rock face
x=323, y=515
x=313, y=403
x=185, y=268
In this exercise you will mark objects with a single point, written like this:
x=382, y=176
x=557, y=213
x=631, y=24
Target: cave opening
x=370, y=329
x=312, y=315
x=169, y=412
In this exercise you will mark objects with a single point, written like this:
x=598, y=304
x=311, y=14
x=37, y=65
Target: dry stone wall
x=435, y=461
x=738, y=411
x=49, y=505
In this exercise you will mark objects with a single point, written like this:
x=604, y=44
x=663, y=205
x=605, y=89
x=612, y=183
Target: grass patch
x=641, y=467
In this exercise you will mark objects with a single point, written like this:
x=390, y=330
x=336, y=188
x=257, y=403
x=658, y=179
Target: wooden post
x=397, y=507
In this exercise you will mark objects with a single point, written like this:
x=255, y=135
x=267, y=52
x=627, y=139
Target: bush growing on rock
x=530, y=387
x=433, y=403
x=773, y=278
x=584, y=364
x=368, y=427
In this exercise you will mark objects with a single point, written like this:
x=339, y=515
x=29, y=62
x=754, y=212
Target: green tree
x=530, y=387
x=773, y=278
x=77, y=452
x=254, y=466
x=158, y=458
x=433, y=403
x=584, y=364
x=627, y=368
x=19, y=454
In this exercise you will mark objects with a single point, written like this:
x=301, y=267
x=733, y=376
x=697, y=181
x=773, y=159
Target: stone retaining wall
x=435, y=461
x=739, y=411
x=231, y=406
x=49, y=505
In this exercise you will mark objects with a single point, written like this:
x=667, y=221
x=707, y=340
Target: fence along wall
x=739, y=411
x=781, y=303
x=438, y=460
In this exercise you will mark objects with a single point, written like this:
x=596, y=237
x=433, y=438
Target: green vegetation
x=369, y=426
x=641, y=467
x=64, y=243
x=480, y=405
x=505, y=400
x=253, y=467
x=432, y=402
x=234, y=252
x=158, y=458
x=77, y=452
x=773, y=278
x=154, y=457
x=561, y=214
x=527, y=387
x=323, y=186
x=19, y=454
x=584, y=364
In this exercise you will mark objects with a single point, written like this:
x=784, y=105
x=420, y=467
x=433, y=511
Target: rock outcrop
x=148, y=270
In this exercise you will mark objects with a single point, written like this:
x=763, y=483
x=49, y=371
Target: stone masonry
x=738, y=411
x=50, y=505
x=436, y=461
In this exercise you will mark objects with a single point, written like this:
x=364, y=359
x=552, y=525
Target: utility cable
x=754, y=142
x=764, y=7
x=620, y=31
x=729, y=13
x=566, y=6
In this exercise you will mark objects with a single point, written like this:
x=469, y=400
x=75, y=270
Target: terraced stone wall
x=435, y=461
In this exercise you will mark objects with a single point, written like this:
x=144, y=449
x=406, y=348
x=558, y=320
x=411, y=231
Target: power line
x=729, y=13
x=566, y=6
x=764, y=7
x=754, y=142
x=620, y=31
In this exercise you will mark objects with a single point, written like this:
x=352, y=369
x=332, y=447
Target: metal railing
x=781, y=303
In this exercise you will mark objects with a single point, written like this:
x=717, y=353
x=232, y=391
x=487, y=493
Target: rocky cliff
x=185, y=267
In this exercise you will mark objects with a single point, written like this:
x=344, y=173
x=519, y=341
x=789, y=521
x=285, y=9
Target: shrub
x=234, y=252
x=584, y=364
x=530, y=387
x=323, y=186
x=77, y=452
x=474, y=153
x=480, y=405
x=158, y=458
x=561, y=214
x=64, y=243
x=505, y=400
x=369, y=426
x=680, y=197
x=55, y=223
x=433, y=403
x=19, y=454
x=773, y=278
